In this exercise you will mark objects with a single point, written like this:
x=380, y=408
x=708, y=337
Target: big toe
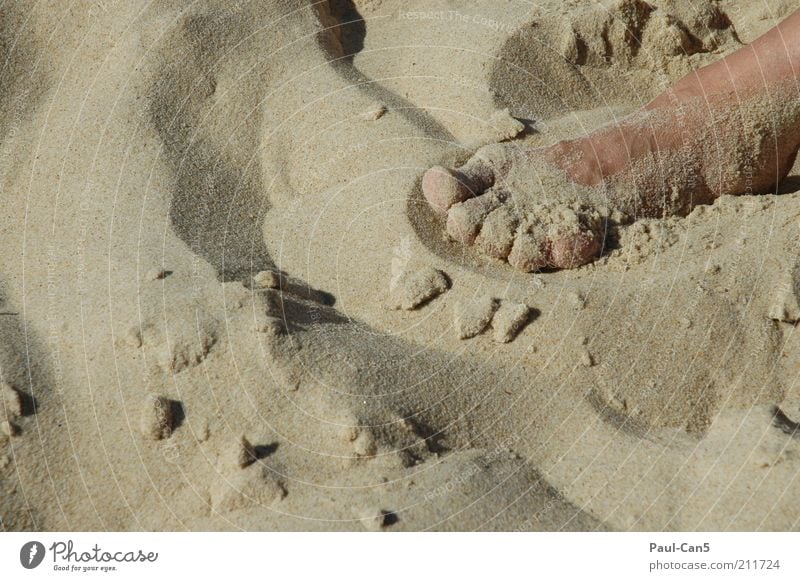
x=443, y=187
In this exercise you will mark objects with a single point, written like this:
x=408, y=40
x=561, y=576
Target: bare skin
x=729, y=128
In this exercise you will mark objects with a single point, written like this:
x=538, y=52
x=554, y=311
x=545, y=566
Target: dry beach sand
x=224, y=303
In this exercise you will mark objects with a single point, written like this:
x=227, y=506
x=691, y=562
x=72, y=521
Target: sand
x=225, y=305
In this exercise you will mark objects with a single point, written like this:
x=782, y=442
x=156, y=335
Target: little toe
x=575, y=249
x=574, y=238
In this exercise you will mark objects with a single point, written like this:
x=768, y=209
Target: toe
x=574, y=250
x=574, y=238
x=496, y=236
x=443, y=187
x=464, y=220
x=528, y=253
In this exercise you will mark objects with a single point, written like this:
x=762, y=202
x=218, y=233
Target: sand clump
x=8, y=429
x=243, y=452
x=506, y=318
x=508, y=321
x=11, y=401
x=587, y=359
x=413, y=288
x=473, y=316
x=12, y=409
x=269, y=326
x=156, y=418
x=132, y=338
x=646, y=238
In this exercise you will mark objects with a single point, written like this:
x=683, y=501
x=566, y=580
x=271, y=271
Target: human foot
x=485, y=209
x=546, y=207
